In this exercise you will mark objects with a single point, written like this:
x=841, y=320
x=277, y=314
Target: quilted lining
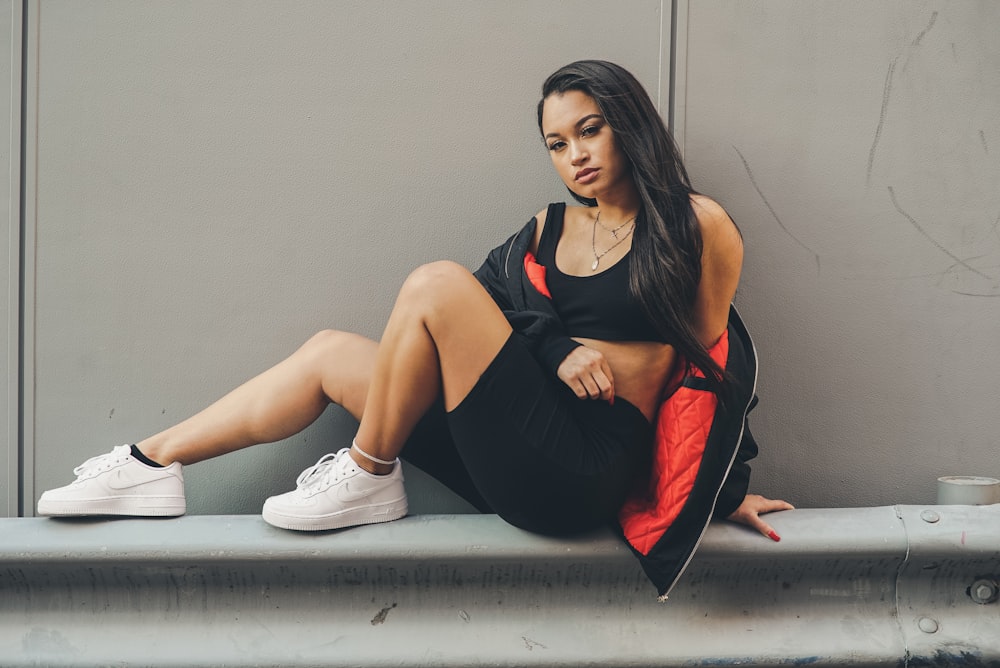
x=682, y=428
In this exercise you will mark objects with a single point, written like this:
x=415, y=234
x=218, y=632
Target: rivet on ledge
x=927, y=625
x=983, y=591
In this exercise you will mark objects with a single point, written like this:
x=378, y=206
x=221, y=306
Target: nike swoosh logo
x=347, y=495
x=119, y=481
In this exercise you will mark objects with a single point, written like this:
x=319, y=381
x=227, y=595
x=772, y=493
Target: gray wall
x=857, y=145
x=217, y=181
x=10, y=186
x=209, y=183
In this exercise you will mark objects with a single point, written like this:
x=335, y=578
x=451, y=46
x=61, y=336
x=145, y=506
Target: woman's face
x=582, y=145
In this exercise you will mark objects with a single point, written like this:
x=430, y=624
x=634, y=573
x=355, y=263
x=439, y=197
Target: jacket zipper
x=662, y=598
x=506, y=260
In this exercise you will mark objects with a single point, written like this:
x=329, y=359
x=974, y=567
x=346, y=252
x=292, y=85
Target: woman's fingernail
x=774, y=536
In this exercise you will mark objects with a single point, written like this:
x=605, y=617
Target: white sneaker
x=335, y=493
x=118, y=484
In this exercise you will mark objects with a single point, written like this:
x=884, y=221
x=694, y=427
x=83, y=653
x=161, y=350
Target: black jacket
x=723, y=474
x=529, y=312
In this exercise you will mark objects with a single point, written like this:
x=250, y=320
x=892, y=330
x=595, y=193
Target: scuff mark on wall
x=976, y=294
x=753, y=182
x=886, y=91
x=934, y=242
x=916, y=42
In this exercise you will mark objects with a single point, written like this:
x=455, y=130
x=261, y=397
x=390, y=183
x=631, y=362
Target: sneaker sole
x=351, y=517
x=147, y=506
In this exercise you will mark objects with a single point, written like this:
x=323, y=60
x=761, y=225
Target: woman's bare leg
x=444, y=327
x=285, y=399
x=444, y=331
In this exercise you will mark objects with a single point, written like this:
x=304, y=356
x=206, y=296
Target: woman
x=549, y=391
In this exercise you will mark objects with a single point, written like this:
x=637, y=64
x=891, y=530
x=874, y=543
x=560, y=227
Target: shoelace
x=101, y=462
x=319, y=473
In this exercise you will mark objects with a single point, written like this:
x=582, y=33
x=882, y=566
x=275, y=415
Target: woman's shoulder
x=540, y=216
x=717, y=228
x=540, y=219
x=710, y=213
x=567, y=211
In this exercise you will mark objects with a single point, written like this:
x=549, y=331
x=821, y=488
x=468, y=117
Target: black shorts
x=522, y=445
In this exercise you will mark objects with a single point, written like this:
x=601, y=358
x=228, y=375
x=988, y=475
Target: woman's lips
x=585, y=176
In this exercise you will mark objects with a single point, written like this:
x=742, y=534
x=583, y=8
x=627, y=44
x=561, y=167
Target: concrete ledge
x=865, y=586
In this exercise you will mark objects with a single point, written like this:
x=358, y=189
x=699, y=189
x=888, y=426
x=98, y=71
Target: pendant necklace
x=593, y=239
x=614, y=232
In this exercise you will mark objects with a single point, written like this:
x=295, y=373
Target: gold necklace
x=593, y=240
x=614, y=232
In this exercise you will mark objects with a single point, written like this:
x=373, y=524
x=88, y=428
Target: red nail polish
x=774, y=536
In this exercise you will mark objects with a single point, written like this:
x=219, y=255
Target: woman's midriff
x=640, y=369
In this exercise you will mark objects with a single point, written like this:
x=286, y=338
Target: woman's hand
x=587, y=373
x=755, y=505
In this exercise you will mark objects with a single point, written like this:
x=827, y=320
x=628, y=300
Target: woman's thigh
x=464, y=322
x=466, y=325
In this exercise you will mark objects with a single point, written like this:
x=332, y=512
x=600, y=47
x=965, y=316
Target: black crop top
x=592, y=307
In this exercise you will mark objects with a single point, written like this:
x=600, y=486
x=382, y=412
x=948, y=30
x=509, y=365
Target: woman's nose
x=577, y=153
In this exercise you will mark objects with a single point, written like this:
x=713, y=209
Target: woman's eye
x=589, y=131
x=556, y=145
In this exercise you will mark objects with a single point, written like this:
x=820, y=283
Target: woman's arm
x=721, y=264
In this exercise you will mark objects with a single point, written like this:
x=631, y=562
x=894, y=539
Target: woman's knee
x=343, y=363
x=441, y=273
x=324, y=339
x=438, y=283
x=332, y=344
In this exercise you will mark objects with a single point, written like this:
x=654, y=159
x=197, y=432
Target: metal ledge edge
x=887, y=586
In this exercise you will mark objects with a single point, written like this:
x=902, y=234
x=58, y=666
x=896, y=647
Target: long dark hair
x=667, y=245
